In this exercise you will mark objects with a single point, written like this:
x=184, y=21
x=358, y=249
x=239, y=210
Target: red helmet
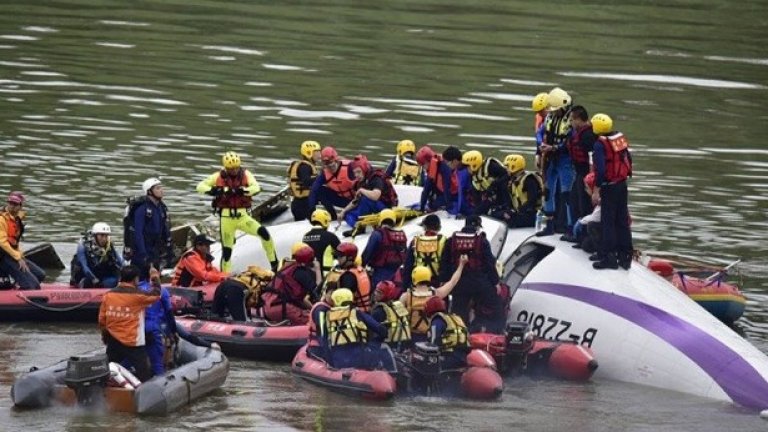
x=304, y=255
x=361, y=161
x=328, y=154
x=387, y=291
x=434, y=305
x=346, y=249
x=589, y=180
x=16, y=198
x=424, y=155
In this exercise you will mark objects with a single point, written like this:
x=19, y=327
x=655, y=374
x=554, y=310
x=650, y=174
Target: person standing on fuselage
x=301, y=176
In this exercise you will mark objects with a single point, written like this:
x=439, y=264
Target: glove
x=238, y=191
x=216, y=191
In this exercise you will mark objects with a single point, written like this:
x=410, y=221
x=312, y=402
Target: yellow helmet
x=473, y=159
x=558, y=98
x=602, y=124
x=322, y=217
x=342, y=296
x=230, y=160
x=421, y=274
x=387, y=214
x=308, y=148
x=540, y=102
x=514, y=163
x=405, y=146
x=296, y=246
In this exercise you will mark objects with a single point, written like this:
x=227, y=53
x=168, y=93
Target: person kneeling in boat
x=373, y=193
x=416, y=297
x=96, y=262
x=121, y=316
x=348, y=273
x=389, y=311
x=448, y=332
x=195, y=268
x=385, y=251
x=347, y=336
x=403, y=169
x=24, y=272
x=235, y=296
x=287, y=297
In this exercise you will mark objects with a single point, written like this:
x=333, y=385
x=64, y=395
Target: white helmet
x=149, y=184
x=101, y=228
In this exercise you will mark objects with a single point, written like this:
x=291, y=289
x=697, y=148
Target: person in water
x=24, y=272
x=195, y=268
x=96, y=262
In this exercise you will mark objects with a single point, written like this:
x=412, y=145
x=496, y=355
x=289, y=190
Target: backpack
x=132, y=203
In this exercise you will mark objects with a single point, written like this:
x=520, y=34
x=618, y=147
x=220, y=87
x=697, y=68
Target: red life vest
x=340, y=181
x=434, y=175
x=618, y=163
x=468, y=244
x=231, y=200
x=388, y=194
x=286, y=286
x=391, y=251
x=578, y=154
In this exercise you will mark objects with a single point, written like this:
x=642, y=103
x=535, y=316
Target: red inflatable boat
x=526, y=354
x=375, y=385
x=54, y=302
x=253, y=340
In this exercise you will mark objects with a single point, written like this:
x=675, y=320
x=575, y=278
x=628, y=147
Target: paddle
x=722, y=271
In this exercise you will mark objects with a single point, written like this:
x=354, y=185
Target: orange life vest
x=340, y=181
x=434, y=174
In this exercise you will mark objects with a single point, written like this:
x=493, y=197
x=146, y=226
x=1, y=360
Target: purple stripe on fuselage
x=738, y=379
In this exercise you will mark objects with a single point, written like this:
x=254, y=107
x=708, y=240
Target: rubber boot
x=608, y=262
x=549, y=228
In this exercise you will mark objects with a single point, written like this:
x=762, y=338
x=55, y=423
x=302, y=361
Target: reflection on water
x=96, y=97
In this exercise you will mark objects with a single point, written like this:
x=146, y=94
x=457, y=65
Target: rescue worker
x=96, y=262
x=440, y=186
x=373, y=193
x=195, y=268
x=287, y=297
x=301, y=176
x=317, y=345
x=463, y=203
x=348, y=331
x=322, y=241
x=151, y=229
x=480, y=279
x=448, y=332
x=159, y=323
x=556, y=162
x=422, y=289
x=539, y=104
x=613, y=166
x=425, y=250
x=121, y=320
x=336, y=186
x=580, y=145
x=385, y=251
x=349, y=274
x=236, y=295
x=24, y=272
x=489, y=183
x=233, y=188
x=404, y=169
x=527, y=192
x=391, y=312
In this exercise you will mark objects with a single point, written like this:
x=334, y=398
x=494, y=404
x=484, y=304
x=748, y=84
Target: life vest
x=315, y=326
x=286, y=286
x=416, y=300
x=340, y=181
x=481, y=180
x=297, y=190
x=436, y=177
x=455, y=334
x=398, y=325
x=14, y=229
x=254, y=279
x=470, y=244
x=557, y=128
x=427, y=251
x=183, y=277
x=231, y=200
x=388, y=194
x=618, y=163
x=344, y=327
x=407, y=172
x=363, y=292
x=101, y=260
x=520, y=195
x=391, y=250
x=578, y=154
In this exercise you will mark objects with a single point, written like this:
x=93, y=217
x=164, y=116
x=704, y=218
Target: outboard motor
x=519, y=341
x=424, y=368
x=87, y=375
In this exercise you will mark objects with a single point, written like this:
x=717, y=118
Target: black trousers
x=136, y=356
x=614, y=217
x=230, y=297
x=300, y=208
x=581, y=202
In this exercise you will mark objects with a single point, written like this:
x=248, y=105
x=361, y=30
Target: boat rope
x=54, y=309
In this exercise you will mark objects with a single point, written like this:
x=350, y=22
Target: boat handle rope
x=53, y=309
